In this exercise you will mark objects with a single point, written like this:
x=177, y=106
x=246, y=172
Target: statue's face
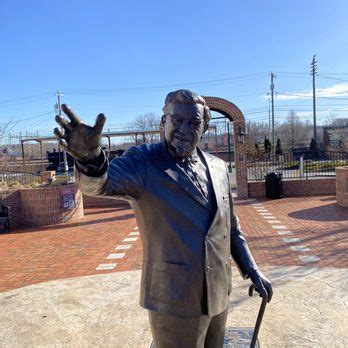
x=183, y=128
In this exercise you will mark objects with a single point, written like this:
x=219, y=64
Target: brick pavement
x=319, y=223
x=33, y=255
x=38, y=254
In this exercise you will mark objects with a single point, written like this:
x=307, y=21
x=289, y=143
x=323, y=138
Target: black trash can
x=274, y=186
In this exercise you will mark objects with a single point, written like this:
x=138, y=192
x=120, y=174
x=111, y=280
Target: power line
x=161, y=87
x=291, y=73
x=293, y=76
x=34, y=117
x=308, y=96
x=336, y=73
x=331, y=78
x=26, y=98
x=24, y=102
x=31, y=117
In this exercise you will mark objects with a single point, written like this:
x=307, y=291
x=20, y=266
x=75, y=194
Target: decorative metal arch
x=233, y=113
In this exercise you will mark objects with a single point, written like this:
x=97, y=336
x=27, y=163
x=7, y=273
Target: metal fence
x=22, y=178
x=68, y=176
x=304, y=164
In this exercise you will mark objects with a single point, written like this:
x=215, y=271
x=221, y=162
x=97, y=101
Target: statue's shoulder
x=144, y=150
x=149, y=150
x=214, y=159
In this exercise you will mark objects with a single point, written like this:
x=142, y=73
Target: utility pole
x=314, y=72
x=59, y=109
x=269, y=115
x=272, y=100
x=65, y=160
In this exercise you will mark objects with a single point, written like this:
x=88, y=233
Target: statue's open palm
x=77, y=138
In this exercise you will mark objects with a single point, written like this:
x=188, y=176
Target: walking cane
x=259, y=317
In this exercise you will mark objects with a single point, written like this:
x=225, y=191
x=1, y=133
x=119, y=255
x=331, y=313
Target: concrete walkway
x=309, y=309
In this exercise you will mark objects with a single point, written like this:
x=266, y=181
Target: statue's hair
x=183, y=96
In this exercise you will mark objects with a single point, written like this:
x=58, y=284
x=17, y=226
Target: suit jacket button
x=225, y=236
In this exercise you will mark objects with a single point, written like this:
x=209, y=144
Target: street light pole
x=229, y=148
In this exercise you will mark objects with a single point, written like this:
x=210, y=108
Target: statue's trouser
x=199, y=332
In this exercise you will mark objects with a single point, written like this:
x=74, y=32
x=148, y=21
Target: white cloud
x=304, y=114
x=339, y=90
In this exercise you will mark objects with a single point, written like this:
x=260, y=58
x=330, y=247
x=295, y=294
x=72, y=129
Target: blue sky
x=123, y=57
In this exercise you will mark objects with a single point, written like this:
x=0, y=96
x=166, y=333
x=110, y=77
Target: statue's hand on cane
x=77, y=138
x=262, y=285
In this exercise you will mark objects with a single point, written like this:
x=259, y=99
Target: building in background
x=335, y=135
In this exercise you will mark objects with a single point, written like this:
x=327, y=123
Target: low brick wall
x=89, y=201
x=342, y=186
x=310, y=187
x=12, y=199
x=43, y=206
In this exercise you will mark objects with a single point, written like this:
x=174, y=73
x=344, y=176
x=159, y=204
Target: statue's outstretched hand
x=77, y=138
x=262, y=285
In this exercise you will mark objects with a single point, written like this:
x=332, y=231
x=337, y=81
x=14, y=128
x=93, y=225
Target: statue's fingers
x=63, y=144
x=269, y=292
x=99, y=123
x=259, y=287
x=58, y=133
x=62, y=121
x=263, y=292
x=73, y=117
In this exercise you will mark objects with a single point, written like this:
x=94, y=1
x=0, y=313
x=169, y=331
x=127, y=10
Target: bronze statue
x=184, y=209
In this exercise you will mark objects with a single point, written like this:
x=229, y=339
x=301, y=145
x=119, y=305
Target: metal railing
x=22, y=178
x=304, y=164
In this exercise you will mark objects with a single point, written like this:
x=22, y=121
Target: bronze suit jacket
x=186, y=248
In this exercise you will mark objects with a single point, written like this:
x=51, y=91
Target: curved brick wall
x=342, y=186
x=43, y=206
x=89, y=201
x=12, y=199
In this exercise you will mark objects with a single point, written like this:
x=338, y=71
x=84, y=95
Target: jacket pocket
x=170, y=283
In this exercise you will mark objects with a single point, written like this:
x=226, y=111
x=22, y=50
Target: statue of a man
x=183, y=205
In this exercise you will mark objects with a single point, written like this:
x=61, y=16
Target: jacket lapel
x=162, y=159
x=215, y=175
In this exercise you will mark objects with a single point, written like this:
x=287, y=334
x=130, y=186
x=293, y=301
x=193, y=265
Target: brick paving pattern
x=37, y=254
x=317, y=225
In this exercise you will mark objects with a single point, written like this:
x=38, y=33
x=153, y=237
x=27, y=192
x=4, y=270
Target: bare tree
x=221, y=133
x=149, y=121
x=255, y=134
x=294, y=132
x=5, y=149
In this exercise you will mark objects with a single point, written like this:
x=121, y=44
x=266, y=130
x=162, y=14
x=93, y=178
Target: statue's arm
x=244, y=259
x=122, y=178
x=239, y=247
